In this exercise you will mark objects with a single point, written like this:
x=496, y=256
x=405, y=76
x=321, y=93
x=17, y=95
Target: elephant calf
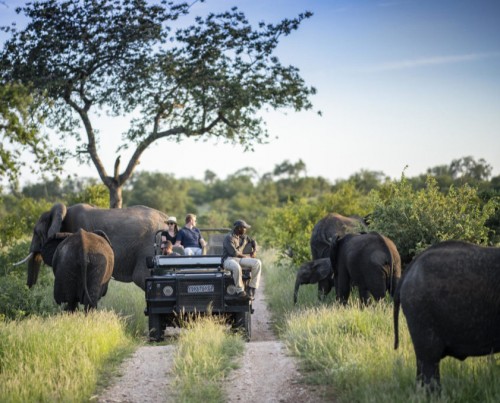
x=369, y=261
x=450, y=298
x=312, y=272
x=83, y=265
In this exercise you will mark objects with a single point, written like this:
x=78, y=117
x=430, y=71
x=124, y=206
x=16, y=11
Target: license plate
x=194, y=289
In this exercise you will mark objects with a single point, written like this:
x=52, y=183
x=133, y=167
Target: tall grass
x=350, y=350
x=205, y=354
x=59, y=358
x=128, y=301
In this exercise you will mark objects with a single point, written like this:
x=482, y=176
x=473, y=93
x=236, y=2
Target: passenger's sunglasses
x=171, y=223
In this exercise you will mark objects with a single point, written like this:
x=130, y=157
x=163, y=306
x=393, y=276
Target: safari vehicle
x=182, y=287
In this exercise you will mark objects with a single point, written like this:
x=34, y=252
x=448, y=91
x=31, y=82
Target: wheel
x=242, y=321
x=156, y=328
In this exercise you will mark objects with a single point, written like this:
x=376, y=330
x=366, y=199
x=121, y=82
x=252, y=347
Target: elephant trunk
x=296, y=290
x=34, y=264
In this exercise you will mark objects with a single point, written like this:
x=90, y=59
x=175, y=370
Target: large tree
x=121, y=57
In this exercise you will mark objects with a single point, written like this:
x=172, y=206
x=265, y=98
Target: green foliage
x=288, y=228
x=97, y=195
x=60, y=358
x=17, y=301
x=19, y=217
x=415, y=220
x=20, y=119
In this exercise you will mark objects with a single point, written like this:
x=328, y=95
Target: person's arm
x=179, y=238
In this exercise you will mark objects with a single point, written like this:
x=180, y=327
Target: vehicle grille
x=200, y=302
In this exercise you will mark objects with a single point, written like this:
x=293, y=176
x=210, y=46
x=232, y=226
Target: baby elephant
x=450, y=297
x=83, y=265
x=312, y=272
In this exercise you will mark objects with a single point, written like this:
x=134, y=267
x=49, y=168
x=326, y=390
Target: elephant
x=83, y=264
x=369, y=261
x=312, y=272
x=450, y=297
x=328, y=228
x=131, y=232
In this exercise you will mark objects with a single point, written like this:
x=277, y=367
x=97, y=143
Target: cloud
x=430, y=61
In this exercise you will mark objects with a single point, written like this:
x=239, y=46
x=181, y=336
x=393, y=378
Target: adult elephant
x=330, y=227
x=83, y=264
x=312, y=272
x=131, y=232
x=450, y=298
x=368, y=261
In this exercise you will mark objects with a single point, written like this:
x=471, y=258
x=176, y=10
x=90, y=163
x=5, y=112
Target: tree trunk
x=115, y=195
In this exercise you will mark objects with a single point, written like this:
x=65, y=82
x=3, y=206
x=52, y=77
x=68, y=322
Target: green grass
x=128, y=301
x=206, y=353
x=59, y=358
x=350, y=350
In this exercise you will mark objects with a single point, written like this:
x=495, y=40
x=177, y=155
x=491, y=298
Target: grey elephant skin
x=83, y=265
x=450, y=296
x=368, y=261
x=330, y=227
x=131, y=232
x=312, y=272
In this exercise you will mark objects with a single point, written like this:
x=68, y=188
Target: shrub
x=415, y=220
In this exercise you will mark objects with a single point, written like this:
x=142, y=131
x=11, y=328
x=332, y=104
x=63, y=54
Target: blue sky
x=410, y=83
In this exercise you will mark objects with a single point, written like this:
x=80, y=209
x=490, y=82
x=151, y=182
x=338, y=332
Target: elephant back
x=329, y=228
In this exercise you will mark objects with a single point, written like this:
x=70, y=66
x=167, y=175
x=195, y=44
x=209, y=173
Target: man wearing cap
x=240, y=250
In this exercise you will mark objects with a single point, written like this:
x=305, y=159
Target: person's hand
x=253, y=254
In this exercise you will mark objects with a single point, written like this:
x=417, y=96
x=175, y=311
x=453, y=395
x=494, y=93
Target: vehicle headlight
x=231, y=289
x=168, y=290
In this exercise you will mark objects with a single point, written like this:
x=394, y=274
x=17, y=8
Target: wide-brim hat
x=171, y=219
x=241, y=223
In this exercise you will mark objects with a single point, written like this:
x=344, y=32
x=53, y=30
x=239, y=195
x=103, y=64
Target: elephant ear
x=102, y=234
x=57, y=215
x=49, y=247
x=320, y=269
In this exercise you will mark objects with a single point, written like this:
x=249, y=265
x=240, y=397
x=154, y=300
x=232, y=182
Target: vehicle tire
x=156, y=328
x=242, y=321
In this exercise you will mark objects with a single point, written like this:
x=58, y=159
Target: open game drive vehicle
x=182, y=287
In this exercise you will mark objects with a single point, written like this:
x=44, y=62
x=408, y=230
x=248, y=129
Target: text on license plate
x=193, y=289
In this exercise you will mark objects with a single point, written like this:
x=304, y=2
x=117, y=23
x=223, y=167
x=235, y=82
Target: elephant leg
x=428, y=374
x=324, y=288
x=71, y=306
x=364, y=295
x=139, y=276
x=343, y=289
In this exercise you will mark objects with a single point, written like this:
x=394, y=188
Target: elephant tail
x=397, y=303
x=85, y=261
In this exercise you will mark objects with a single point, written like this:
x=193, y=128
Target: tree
x=115, y=57
x=19, y=125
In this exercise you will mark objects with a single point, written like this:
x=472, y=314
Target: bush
x=288, y=228
x=414, y=220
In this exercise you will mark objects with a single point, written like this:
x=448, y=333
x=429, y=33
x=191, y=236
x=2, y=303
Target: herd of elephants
x=449, y=293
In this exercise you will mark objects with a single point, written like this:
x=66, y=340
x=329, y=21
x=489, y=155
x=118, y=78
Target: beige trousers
x=234, y=264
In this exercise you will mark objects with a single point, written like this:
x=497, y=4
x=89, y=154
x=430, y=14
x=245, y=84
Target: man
x=240, y=250
x=189, y=237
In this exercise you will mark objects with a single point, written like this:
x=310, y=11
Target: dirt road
x=267, y=374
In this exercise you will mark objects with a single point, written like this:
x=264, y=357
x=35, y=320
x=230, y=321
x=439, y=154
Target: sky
x=403, y=86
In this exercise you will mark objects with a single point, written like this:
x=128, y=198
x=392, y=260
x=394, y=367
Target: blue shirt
x=189, y=237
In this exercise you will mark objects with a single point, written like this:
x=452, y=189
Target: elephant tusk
x=24, y=260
